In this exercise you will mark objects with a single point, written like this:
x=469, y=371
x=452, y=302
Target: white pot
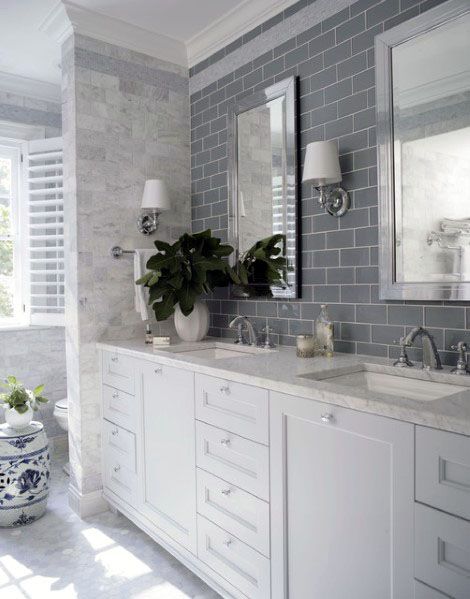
x=195, y=326
x=18, y=421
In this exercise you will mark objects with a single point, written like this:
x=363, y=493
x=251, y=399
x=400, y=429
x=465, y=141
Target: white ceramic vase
x=195, y=326
x=18, y=421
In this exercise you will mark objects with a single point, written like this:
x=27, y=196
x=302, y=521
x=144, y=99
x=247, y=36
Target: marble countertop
x=282, y=371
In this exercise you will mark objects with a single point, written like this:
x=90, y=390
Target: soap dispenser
x=324, y=333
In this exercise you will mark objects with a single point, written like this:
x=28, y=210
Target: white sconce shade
x=321, y=165
x=155, y=196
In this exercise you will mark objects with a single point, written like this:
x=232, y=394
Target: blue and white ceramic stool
x=24, y=474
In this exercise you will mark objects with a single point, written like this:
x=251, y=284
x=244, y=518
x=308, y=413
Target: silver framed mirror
x=263, y=179
x=423, y=143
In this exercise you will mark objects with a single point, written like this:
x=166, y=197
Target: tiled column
x=125, y=119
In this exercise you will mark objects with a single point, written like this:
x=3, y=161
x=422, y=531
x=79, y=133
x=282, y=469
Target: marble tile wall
x=37, y=354
x=329, y=46
x=31, y=111
x=125, y=119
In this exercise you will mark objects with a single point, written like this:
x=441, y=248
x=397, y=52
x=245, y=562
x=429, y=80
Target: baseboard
x=88, y=504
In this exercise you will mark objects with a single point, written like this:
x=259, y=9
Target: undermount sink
x=408, y=384
x=217, y=351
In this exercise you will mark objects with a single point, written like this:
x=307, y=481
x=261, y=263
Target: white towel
x=140, y=292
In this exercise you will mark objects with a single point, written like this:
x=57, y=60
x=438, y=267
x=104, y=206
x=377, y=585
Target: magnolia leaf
x=145, y=278
x=39, y=389
x=163, y=246
x=166, y=307
x=11, y=380
x=223, y=250
x=41, y=399
x=186, y=299
x=161, y=261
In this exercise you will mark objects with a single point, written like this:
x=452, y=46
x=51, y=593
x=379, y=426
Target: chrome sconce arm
x=148, y=221
x=335, y=200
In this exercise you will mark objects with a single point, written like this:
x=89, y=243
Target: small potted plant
x=20, y=403
x=183, y=271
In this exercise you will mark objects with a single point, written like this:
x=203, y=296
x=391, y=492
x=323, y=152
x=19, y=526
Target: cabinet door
x=168, y=477
x=341, y=502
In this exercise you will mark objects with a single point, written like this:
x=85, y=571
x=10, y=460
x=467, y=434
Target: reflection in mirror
x=431, y=116
x=261, y=137
x=423, y=139
x=263, y=179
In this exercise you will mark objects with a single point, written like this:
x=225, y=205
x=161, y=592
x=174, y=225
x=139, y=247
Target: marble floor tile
x=105, y=556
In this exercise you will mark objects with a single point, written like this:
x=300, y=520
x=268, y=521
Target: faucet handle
x=268, y=344
x=403, y=360
x=461, y=367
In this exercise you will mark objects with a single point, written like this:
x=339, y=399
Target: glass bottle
x=324, y=333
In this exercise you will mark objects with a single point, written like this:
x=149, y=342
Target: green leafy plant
x=263, y=266
x=183, y=271
x=20, y=398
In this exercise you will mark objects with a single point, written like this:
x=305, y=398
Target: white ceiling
x=182, y=31
x=180, y=19
x=24, y=49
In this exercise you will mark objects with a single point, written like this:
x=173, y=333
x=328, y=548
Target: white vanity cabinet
x=272, y=496
x=341, y=502
x=168, y=464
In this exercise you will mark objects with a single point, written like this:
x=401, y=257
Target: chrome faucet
x=431, y=358
x=240, y=322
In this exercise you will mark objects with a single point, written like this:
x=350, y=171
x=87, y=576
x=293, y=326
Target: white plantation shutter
x=45, y=224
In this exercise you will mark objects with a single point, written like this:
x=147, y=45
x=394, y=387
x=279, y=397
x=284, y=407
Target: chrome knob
x=114, y=432
x=327, y=417
x=226, y=492
x=117, y=468
x=228, y=542
x=225, y=389
x=115, y=395
x=158, y=370
x=225, y=442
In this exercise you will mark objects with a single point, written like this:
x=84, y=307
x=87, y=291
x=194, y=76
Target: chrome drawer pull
x=114, y=359
x=228, y=542
x=117, y=468
x=225, y=389
x=115, y=395
x=327, y=417
x=225, y=442
x=158, y=370
x=115, y=432
x=226, y=492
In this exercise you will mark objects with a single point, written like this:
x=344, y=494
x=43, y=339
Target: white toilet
x=61, y=414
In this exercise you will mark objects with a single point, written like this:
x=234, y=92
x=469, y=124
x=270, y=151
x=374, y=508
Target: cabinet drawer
x=121, y=443
x=234, y=459
x=119, y=407
x=241, y=565
x=118, y=371
x=239, y=408
x=442, y=551
x=443, y=470
x=117, y=477
x=235, y=510
x=422, y=591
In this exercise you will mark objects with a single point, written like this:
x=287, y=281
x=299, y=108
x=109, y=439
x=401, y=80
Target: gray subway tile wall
x=334, y=63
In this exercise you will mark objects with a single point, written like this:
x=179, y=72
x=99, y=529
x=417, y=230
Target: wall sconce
x=321, y=168
x=155, y=200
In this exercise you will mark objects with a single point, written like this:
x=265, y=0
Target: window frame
x=13, y=149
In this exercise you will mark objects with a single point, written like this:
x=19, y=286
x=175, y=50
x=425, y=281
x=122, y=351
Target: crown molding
x=114, y=31
x=241, y=19
x=33, y=88
x=57, y=24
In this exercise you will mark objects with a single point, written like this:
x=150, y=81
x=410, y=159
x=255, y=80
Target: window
x=31, y=233
x=11, y=311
